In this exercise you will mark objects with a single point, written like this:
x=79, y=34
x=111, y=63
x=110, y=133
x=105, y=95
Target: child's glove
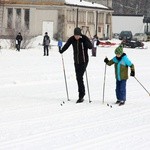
x=132, y=73
x=106, y=60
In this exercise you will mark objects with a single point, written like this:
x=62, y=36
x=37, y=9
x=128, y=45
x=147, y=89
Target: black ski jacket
x=19, y=38
x=80, y=48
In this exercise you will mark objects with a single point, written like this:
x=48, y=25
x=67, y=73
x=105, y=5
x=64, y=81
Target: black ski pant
x=80, y=69
x=46, y=50
x=94, y=51
x=18, y=46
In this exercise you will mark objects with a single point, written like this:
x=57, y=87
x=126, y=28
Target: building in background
x=127, y=23
x=134, y=8
x=57, y=17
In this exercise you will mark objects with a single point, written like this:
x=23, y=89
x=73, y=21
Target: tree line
x=128, y=7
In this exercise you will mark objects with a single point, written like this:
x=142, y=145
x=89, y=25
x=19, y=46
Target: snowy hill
x=33, y=88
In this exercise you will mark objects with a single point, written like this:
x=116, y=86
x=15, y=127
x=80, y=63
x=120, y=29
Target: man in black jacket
x=81, y=44
x=46, y=42
x=18, y=41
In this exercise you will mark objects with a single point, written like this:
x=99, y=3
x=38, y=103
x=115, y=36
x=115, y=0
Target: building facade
x=128, y=23
x=57, y=17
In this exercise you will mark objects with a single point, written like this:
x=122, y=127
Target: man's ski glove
x=132, y=73
x=106, y=60
x=60, y=51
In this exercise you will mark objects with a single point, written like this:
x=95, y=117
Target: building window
x=9, y=18
x=100, y=18
x=90, y=17
x=70, y=15
x=27, y=18
x=108, y=18
x=18, y=19
x=82, y=17
x=99, y=29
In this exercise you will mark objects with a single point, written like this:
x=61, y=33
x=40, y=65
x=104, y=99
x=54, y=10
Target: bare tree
x=133, y=7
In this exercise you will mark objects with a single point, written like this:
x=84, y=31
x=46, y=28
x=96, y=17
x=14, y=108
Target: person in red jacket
x=81, y=44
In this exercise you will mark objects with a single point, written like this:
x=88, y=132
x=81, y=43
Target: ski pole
x=88, y=86
x=65, y=77
x=104, y=83
x=142, y=85
x=86, y=74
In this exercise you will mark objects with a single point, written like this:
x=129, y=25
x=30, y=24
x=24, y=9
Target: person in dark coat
x=95, y=44
x=81, y=44
x=18, y=41
x=46, y=42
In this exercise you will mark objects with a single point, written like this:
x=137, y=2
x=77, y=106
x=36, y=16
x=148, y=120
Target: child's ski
x=109, y=105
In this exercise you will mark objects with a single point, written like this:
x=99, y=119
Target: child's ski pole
x=142, y=85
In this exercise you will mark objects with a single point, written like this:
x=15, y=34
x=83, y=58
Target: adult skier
x=81, y=44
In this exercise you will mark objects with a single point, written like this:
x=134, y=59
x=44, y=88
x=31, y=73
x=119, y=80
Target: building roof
x=127, y=15
x=82, y=3
x=35, y=2
x=74, y=3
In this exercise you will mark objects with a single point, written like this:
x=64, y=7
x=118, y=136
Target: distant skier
x=121, y=63
x=18, y=41
x=59, y=44
x=46, y=43
x=95, y=42
x=81, y=44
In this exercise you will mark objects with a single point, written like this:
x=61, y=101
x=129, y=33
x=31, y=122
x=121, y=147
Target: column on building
x=22, y=18
x=14, y=19
x=104, y=25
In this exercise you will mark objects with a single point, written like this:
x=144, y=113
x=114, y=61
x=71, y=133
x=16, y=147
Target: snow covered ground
x=32, y=88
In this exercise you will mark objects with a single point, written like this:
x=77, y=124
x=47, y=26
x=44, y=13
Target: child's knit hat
x=119, y=50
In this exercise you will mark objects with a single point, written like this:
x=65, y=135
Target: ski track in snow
x=31, y=117
x=76, y=125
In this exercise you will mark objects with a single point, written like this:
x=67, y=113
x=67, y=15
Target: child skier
x=121, y=63
x=59, y=44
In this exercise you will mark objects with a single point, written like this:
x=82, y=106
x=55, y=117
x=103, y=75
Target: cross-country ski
x=109, y=105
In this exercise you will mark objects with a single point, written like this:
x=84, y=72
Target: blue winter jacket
x=60, y=43
x=121, y=66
